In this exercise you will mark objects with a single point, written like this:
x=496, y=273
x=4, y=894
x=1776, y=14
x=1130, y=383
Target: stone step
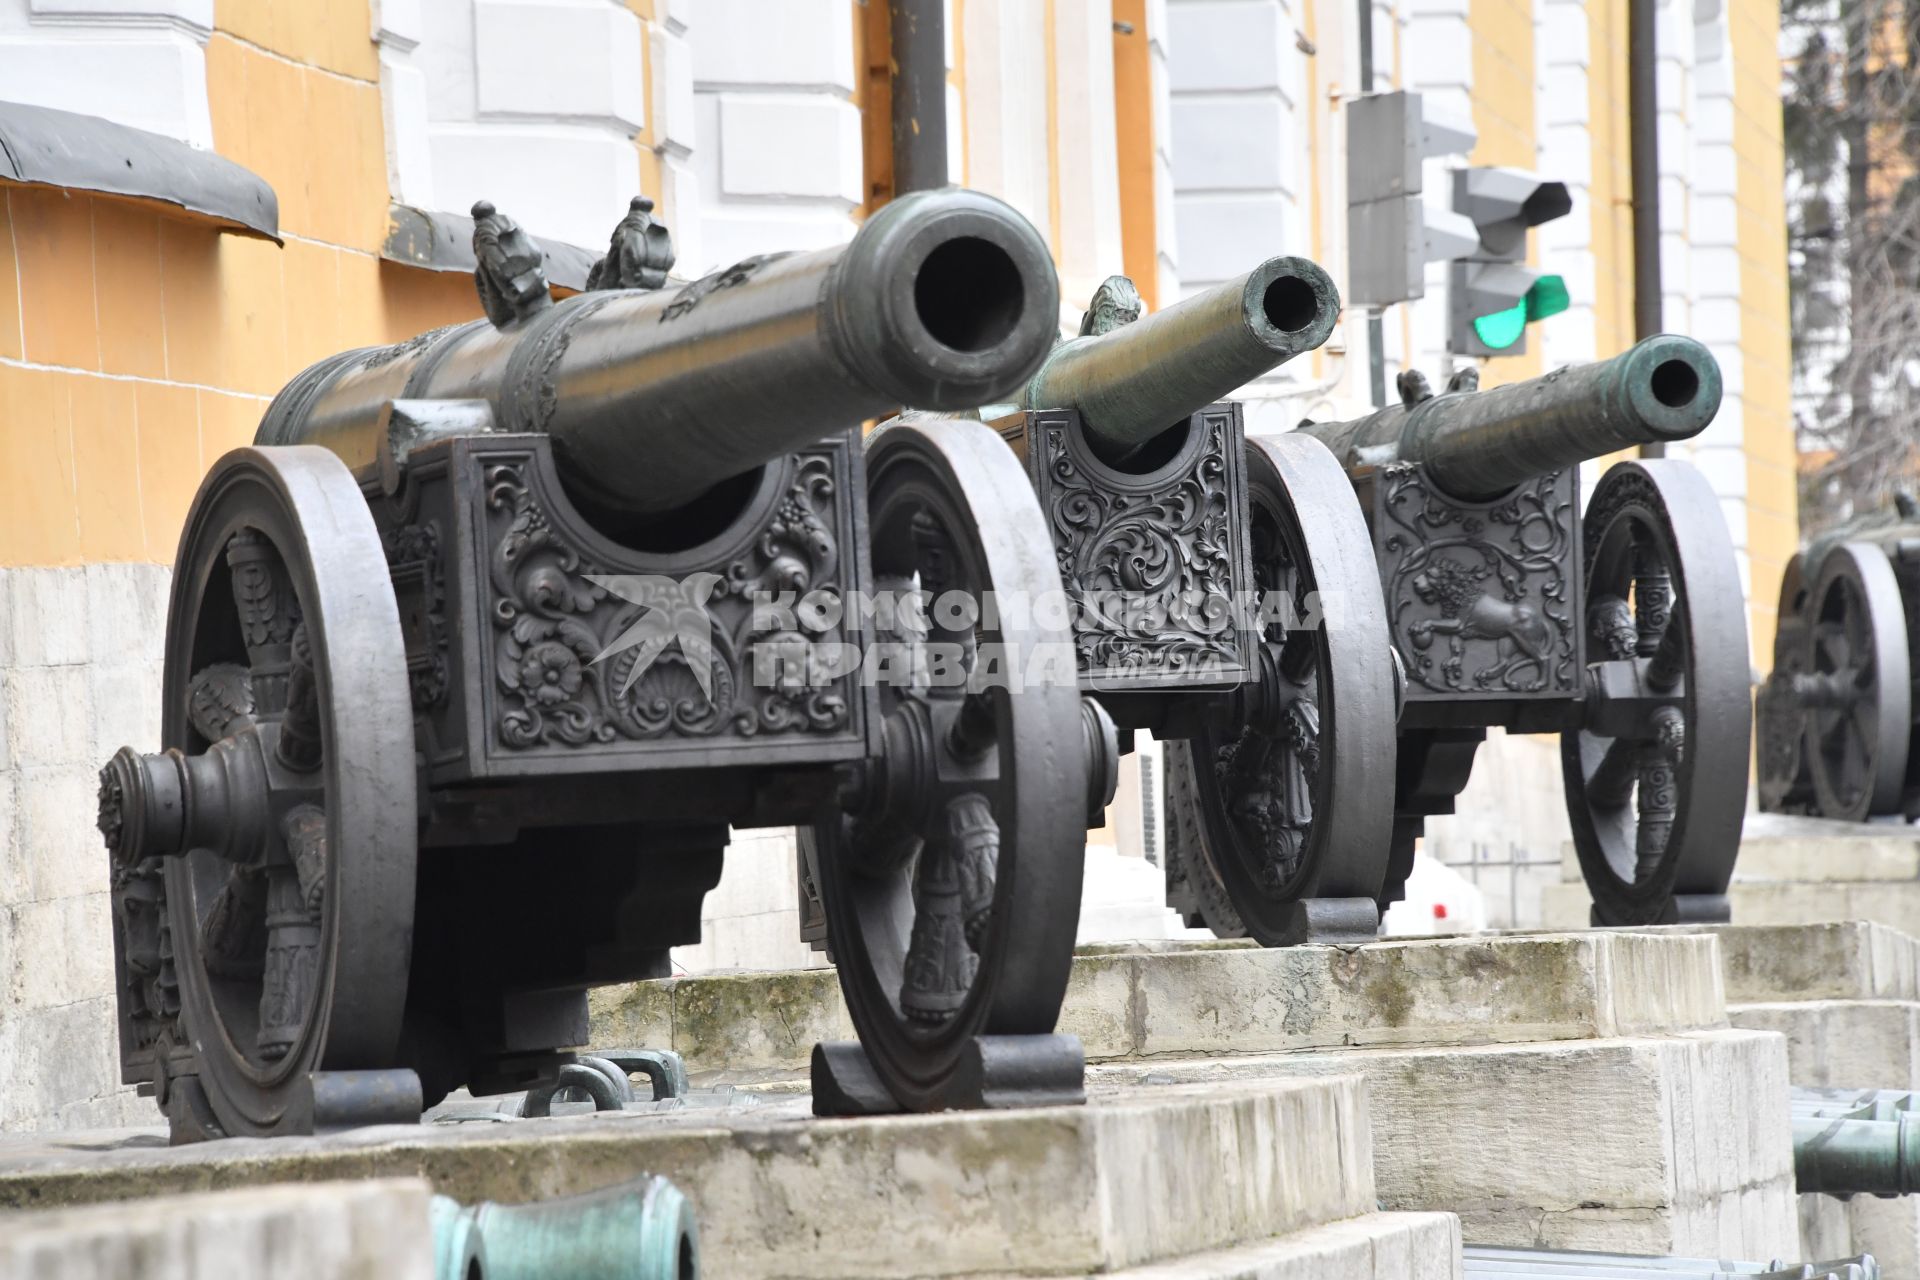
x=1378, y=1246
x=1787, y=847
x=1135, y=1177
x=1834, y=960
x=1175, y=999
x=369, y=1230
x=1650, y=1145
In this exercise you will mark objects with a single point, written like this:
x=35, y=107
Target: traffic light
x=1391, y=231
x=1492, y=296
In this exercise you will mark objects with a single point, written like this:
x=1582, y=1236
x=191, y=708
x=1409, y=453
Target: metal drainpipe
x=918, y=39
x=1643, y=119
x=1376, y=326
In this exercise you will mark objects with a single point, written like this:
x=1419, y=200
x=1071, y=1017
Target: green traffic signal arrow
x=1498, y=330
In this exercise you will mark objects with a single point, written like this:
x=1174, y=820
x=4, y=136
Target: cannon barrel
x=1857, y=1157
x=639, y=1230
x=1132, y=383
x=943, y=300
x=1477, y=446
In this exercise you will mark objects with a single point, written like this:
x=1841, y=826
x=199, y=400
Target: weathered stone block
x=49, y=715
x=1237, y=1000
x=1776, y=846
x=47, y=612
x=63, y=854
x=1888, y=1229
x=1124, y=1181
x=1835, y=960
x=332, y=1231
x=127, y=613
x=1847, y=1044
x=126, y=707
x=52, y=1058
x=1677, y=1144
x=62, y=951
x=1379, y=1246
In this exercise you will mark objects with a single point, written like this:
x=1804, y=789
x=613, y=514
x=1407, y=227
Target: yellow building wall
x=1773, y=523
x=136, y=346
x=1503, y=117
x=1611, y=176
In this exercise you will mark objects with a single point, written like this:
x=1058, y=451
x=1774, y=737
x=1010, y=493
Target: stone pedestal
x=374, y=1230
x=1847, y=999
x=1794, y=870
x=1267, y=1178
x=1565, y=1091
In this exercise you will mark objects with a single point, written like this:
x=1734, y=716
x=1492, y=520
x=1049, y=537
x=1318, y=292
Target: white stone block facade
x=80, y=653
x=140, y=63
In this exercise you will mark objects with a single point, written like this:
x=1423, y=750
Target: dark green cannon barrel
x=943, y=300
x=1133, y=382
x=1478, y=445
x=1857, y=1157
x=640, y=1230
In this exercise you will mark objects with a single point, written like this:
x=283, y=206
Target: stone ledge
x=1671, y=1145
x=1379, y=1246
x=1183, y=1001
x=328, y=1231
x=1129, y=1179
x=1782, y=847
x=1835, y=960
x=1843, y=1044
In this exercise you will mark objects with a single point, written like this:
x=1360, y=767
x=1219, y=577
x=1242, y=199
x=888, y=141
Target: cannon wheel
x=952, y=913
x=1238, y=854
x=1655, y=786
x=1784, y=781
x=317, y=560
x=1855, y=672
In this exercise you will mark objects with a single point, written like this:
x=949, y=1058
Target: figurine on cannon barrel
x=1624, y=632
x=1836, y=717
x=467, y=676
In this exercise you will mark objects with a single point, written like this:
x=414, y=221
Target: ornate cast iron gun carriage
x=1196, y=560
x=1172, y=531
x=1624, y=632
x=1836, y=716
x=468, y=673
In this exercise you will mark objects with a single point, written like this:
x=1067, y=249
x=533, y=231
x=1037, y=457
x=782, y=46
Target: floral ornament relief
x=577, y=663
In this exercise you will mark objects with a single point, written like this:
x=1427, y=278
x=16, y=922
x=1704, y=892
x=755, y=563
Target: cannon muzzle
x=1477, y=446
x=942, y=300
x=1133, y=382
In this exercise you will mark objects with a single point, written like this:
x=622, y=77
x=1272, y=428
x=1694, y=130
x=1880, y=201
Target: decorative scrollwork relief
x=1149, y=572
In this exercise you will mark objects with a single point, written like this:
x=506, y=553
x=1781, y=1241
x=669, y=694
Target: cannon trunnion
x=475, y=658
x=1623, y=631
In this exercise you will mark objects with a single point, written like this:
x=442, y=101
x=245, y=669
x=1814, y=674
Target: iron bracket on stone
x=998, y=1073
x=1688, y=908
x=1329, y=921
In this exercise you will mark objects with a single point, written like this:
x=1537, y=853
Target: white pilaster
x=772, y=89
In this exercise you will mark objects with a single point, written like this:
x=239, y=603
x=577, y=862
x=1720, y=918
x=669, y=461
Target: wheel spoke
x=1610, y=784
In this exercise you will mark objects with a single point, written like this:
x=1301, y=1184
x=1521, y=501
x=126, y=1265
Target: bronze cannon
x=1835, y=718
x=1206, y=578
x=476, y=655
x=1624, y=631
